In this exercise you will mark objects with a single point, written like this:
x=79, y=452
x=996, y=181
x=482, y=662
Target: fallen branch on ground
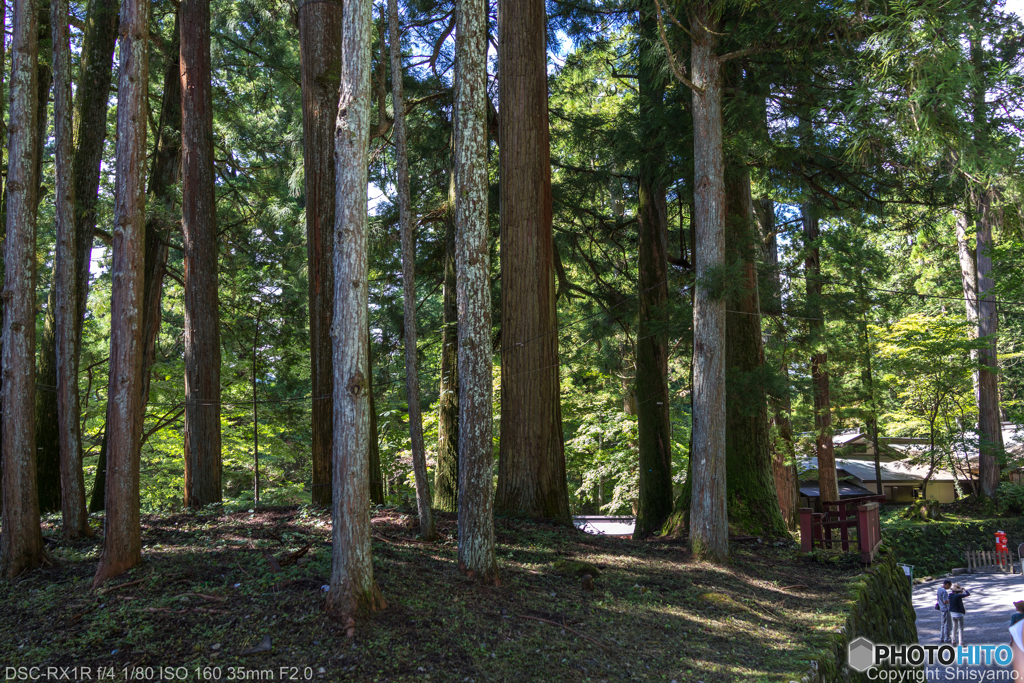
x=120, y=585
x=198, y=595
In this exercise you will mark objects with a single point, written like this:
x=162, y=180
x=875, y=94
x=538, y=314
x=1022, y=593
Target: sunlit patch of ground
x=206, y=592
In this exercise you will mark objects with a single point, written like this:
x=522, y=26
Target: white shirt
x=1015, y=633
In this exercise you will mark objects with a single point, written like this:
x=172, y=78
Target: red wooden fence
x=859, y=515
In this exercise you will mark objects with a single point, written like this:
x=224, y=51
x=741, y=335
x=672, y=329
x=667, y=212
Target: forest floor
x=206, y=593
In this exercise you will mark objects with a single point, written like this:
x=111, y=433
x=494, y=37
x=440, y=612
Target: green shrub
x=1011, y=498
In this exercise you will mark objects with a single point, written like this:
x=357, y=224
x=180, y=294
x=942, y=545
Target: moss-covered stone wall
x=880, y=609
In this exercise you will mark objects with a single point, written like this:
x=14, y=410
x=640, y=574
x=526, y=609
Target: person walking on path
x=957, y=612
x=942, y=604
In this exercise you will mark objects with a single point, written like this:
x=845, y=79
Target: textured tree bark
x=446, y=472
x=92, y=95
x=74, y=517
x=47, y=431
x=159, y=223
x=986, y=215
x=376, y=477
x=21, y=543
x=868, y=380
x=652, y=407
x=828, y=487
x=531, y=464
x=3, y=229
x=709, y=532
x=199, y=232
x=990, y=428
x=753, y=502
x=122, y=548
x=412, y=381
x=969, y=278
x=320, y=52
x=783, y=453
x=476, y=491
x=353, y=589
x=784, y=472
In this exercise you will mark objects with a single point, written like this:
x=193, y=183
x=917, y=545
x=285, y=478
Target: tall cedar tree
x=531, y=466
x=709, y=531
x=21, y=543
x=320, y=54
x=753, y=503
x=92, y=97
x=783, y=452
x=159, y=224
x=412, y=381
x=653, y=427
x=476, y=518
x=824, y=447
x=3, y=236
x=446, y=473
x=353, y=589
x=986, y=214
x=199, y=231
x=47, y=422
x=74, y=518
x=122, y=547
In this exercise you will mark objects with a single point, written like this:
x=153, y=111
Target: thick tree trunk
x=652, y=407
x=320, y=52
x=969, y=278
x=74, y=517
x=199, y=232
x=753, y=503
x=827, y=484
x=3, y=225
x=47, y=432
x=531, y=464
x=122, y=548
x=412, y=380
x=21, y=543
x=91, y=99
x=990, y=430
x=446, y=472
x=92, y=96
x=353, y=589
x=783, y=452
x=784, y=472
x=871, y=420
x=159, y=223
x=709, y=531
x=473, y=271
x=376, y=477
x=986, y=216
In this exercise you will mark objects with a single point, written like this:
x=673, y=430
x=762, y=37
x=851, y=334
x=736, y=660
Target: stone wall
x=880, y=609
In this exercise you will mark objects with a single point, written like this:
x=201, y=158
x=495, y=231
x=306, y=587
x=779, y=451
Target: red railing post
x=806, y=533
x=868, y=531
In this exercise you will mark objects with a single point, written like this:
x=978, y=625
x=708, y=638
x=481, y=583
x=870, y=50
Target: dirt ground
x=207, y=593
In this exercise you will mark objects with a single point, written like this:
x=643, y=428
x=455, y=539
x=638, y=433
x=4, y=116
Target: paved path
x=988, y=607
x=988, y=612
